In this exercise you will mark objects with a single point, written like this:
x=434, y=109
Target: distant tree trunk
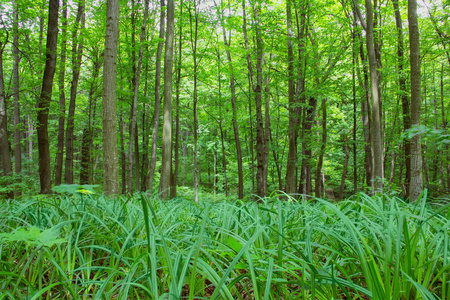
x=110, y=160
x=77, y=53
x=376, y=128
x=344, y=169
x=62, y=99
x=319, y=189
x=261, y=179
x=306, y=162
x=123, y=170
x=17, y=122
x=85, y=156
x=194, y=38
x=166, y=167
x=224, y=160
x=174, y=181
x=151, y=171
x=133, y=113
x=43, y=102
x=4, y=145
x=291, y=167
x=403, y=93
x=234, y=108
x=416, y=185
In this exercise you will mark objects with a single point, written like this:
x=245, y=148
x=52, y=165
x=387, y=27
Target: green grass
x=94, y=247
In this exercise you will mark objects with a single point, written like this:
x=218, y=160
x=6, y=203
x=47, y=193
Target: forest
x=318, y=98
x=209, y=149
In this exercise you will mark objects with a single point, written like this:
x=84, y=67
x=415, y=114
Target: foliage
x=138, y=247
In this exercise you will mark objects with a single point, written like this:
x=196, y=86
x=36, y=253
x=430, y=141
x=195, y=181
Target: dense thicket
x=302, y=96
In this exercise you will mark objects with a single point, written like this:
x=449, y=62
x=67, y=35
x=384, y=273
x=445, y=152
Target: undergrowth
x=88, y=246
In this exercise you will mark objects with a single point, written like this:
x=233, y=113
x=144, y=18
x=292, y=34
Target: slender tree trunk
x=377, y=132
x=224, y=160
x=319, y=188
x=77, y=53
x=174, y=180
x=416, y=185
x=307, y=127
x=110, y=159
x=291, y=178
x=234, y=108
x=151, y=171
x=17, y=122
x=166, y=167
x=123, y=156
x=62, y=99
x=43, y=102
x=194, y=38
x=133, y=113
x=4, y=145
x=403, y=93
x=344, y=169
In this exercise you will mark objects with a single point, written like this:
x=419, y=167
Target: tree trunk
x=344, y=169
x=194, y=38
x=133, y=113
x=77, y=53
x=17, y=122
x=151, y=171
x=123, y=170
x=174, y=180
x=62, y=99
x=291, y=178
x=110, y=159
x=376, y=128
x=403, y=94
x=234, y=117
x=4, y=145
x=166, y=167
x=319, y=189
x=43, y=102
x=416, y=185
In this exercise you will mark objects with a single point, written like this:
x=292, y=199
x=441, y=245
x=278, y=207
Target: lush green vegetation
x=87, y=246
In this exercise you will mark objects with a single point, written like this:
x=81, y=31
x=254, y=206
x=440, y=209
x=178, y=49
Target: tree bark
x=166, y=167
x=174, y=180
x=234, y=117
x=62, y=99
x=110, y=159
x=77, y=53
x=377, y=130
x=17, y=122
x=403, y=94
x=4, y=145
x=151, y=171
x=319, y=188
x=416, y=185
x=43, y=102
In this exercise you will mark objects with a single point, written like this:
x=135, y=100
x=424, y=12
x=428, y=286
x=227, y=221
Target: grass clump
x=87, y=246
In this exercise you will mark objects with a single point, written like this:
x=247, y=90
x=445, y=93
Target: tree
x=44, y=100
x=62, y=98
x=166, y=167
x=17, y=123
x=4, y=145
x=110, y=159
x=77, y=54
x=416, y=185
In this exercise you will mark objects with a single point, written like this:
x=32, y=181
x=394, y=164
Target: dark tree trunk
x=151, y=171
x=319, y=188
x=77, y=53
x=416, y=184
x=62, y=99
x=344, y=169
x=5, y=154
x=17, y=122
x=43, y=102
x=403, y=94
x=166, y=160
